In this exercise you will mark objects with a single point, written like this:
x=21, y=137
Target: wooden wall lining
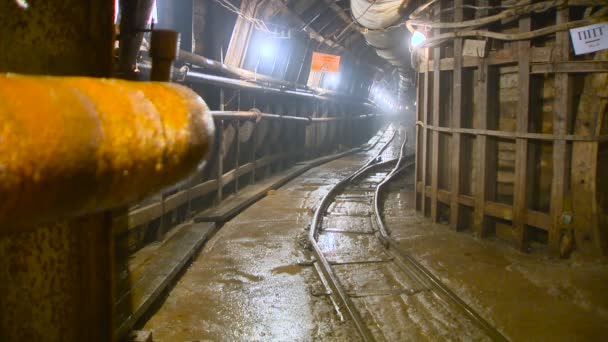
x=490, y=127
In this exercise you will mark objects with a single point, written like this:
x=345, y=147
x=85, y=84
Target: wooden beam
x=561, y=118
x=591, y=237
x=481, y=148
x=517, y=135
x=521, y=145
x=480, y=163
x=542, y=59
x=435, y=134
x=425, y=132
x=199, y=16
x=239, y=41
x=419, y=135
x=455, y=154
x=497, y=210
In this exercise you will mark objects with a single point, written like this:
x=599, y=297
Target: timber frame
x=550, y=190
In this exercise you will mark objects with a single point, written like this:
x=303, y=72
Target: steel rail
x=403, y=259
x=438, y=286
x=326, y=269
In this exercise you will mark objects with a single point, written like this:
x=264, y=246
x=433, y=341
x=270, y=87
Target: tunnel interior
x=273, y=170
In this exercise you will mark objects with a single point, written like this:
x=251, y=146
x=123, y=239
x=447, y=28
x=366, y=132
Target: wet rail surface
x=373, y=282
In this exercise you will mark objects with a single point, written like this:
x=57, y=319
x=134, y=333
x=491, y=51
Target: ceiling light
x=417, y=39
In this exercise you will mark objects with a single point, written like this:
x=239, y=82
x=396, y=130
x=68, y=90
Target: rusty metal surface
x=77, y=145
x=68, y=37
x=53, y=282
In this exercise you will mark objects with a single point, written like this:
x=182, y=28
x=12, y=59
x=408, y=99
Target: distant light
x=332, y=80
x=153, y=15
x=267, y=49
x=23, y=4
x=407, y=107
x=417, y=39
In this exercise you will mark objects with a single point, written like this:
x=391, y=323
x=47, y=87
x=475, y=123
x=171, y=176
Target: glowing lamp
x=417, y=39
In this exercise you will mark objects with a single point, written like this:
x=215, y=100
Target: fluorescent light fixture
x=417, y=39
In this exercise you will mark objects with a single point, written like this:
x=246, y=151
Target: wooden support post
x=418, y=156
x=590, y=228
x=243, y=29
x=199, y=13
x=220, y=162
x=254, y=142
x=561, y=118
x=237, y=155
x=456, y=123
x=425, y=132
x=435, y=133
x=481, y=148
x=521, y=144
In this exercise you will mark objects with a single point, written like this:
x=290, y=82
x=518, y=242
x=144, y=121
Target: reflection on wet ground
x=253, y=280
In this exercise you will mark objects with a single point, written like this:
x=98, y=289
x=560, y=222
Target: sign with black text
x=590, y=38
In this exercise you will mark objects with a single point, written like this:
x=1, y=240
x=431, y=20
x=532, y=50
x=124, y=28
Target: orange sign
x=325, y=62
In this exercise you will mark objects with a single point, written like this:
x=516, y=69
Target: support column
x=199, y=14
x=561, y=120
x=455, y=148
x=56, y=280
x=435, y=133
x=521, y=144
x=243, y=29
x=590, y=232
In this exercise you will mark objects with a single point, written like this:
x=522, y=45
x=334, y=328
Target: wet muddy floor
x=528, y=297
x=253, y=281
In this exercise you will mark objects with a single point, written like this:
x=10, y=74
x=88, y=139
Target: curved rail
x=325, y=268
x=404, y=260
x=437, y=285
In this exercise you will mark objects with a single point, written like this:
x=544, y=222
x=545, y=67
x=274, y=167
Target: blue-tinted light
x=417, y=39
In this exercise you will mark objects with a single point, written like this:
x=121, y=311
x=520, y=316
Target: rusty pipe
x=76, y=145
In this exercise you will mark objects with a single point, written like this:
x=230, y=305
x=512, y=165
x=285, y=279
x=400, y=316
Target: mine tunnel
x=303, y=170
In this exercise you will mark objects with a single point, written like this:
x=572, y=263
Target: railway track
x=371, y=280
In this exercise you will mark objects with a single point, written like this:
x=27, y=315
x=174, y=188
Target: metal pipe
x=200, y=78
x=266, y=82
x=81, y=147
x=253, y=115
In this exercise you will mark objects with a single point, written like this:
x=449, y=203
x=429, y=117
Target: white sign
x=590, y=38
x=474, y=48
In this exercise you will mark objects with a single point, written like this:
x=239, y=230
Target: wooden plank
x=243, y=28
x=162, y=266
x=517, y=135
x=542, y=60
x=480, y=163
x=425, y=133
x=435, y=134
x=199, y=13
x=220, y=158
x=456, y=116
x=591, y=238
x=566, y=67
x=561, y=117
x=498, y=210
x=521, y=144
x=419, y=135
x=481, y=150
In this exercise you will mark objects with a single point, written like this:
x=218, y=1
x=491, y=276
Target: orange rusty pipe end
x=75, y=145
